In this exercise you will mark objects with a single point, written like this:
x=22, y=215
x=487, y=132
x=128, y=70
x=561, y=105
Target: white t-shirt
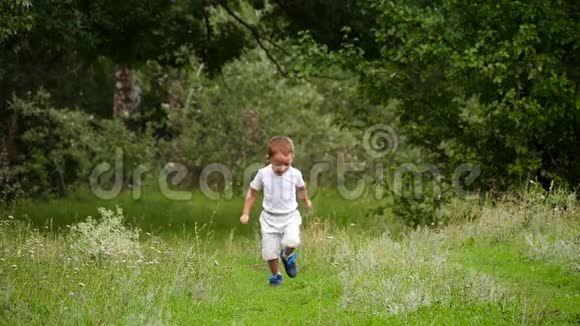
x=279, y=190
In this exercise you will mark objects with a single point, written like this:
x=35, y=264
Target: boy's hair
x=280, y=144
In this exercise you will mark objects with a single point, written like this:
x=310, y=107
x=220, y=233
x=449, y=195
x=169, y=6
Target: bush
x=58, y=148
x=230, y=122
x=54, y=145
x=106, y=237
x=10, y=189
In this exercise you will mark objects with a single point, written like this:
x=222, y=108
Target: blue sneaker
x=275, y=280
x=289, y=264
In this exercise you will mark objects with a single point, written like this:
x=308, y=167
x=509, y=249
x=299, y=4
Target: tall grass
x=107, y=269
x=100, y=272
x=381, y=275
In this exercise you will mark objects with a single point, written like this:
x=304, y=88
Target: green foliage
x=198, y=121
x=127, y=32
x=230, y=121
x=54, y=145
x=71, y=48
x=113, y=137
x=494, y=84
x=10, y=188
x=58, y=147
x=419, y=211
x=438, y=59
x=324, y=20
x=47, y=55
x=132, y=32
x=417, y=191
x=15, y=18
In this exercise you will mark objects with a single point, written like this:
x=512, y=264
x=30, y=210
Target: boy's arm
x=248, y=203
x=303, y=194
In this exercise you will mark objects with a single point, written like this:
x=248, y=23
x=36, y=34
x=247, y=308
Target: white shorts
x=279, y=231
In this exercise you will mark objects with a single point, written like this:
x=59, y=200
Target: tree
x=14, y=18
x=127, y=33
x=85, y=52
x=493, y=83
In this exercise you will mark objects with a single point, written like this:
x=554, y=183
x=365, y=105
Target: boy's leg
x=291, y=235
x=288, y=251
x=290, y=240
x=274, y=266
x=271, y=238
x=270, y=250
x=270, y=247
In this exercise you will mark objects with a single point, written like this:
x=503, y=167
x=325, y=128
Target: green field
x=517, y=262
x=459, y=120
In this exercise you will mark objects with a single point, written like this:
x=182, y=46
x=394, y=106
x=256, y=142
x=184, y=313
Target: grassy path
x=555, y=288
x=315, y=297
x=476, y=273
x=244, y=297
x=240, y=295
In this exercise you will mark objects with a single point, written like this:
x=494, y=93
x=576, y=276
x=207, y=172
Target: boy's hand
x=244, y=218
x=308, y=204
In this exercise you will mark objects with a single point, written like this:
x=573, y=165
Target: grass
x=157, y=214
x=557, y=287
x=515, y=263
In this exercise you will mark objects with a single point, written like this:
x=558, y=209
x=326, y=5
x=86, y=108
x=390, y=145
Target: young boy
x=280, y=219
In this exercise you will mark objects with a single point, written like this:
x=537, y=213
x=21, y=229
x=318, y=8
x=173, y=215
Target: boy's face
x=281, y=162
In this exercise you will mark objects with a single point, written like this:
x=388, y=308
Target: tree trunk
x=8, y=139
x=127, y=93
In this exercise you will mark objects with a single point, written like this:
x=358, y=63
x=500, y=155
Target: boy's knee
x=270, y=247
x=291, y=242
x=270, y=254
x=291, y=237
